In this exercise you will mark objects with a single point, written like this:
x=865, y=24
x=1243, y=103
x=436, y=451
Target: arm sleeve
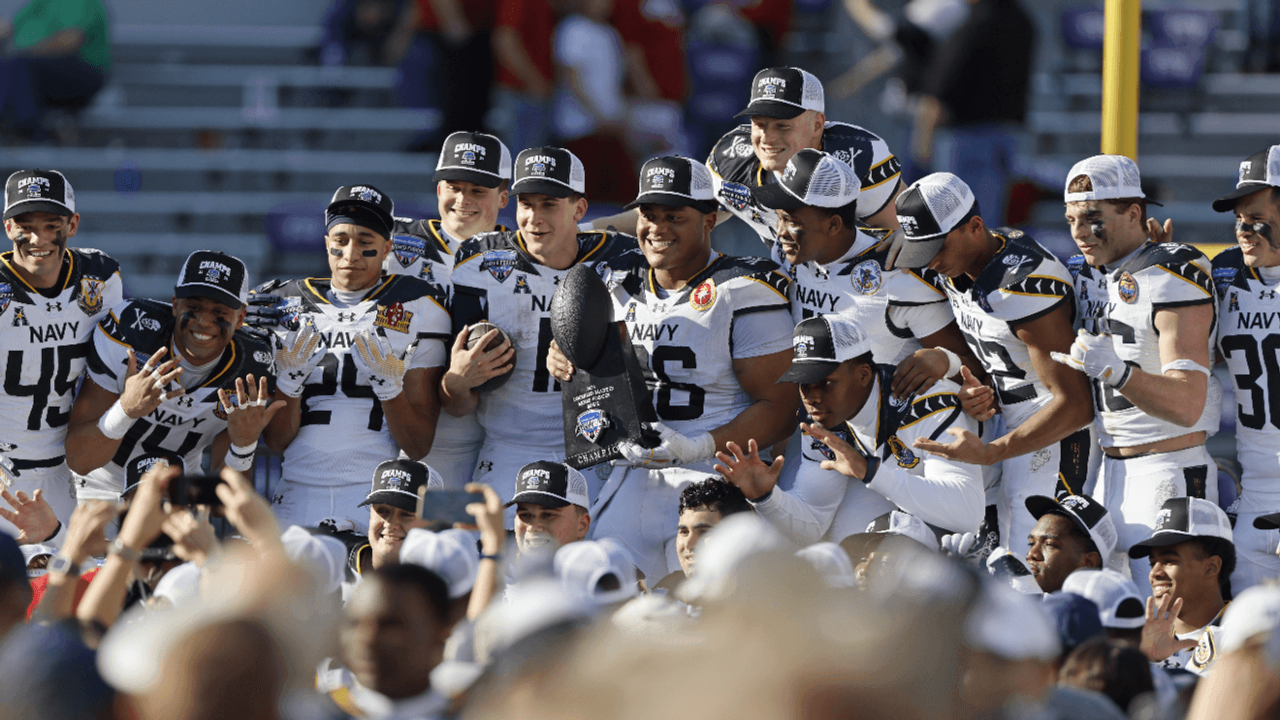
x=941, y=492
x=921, y=320
x=804, y=514
x=1178, y=283
x=433, y=338
x=761, y=333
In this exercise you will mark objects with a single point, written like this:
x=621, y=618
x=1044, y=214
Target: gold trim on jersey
x=173, y=353
x=604, y=237
x=64, y=273
x=653, y=286
x=1187, y=280
x=762, y=282
x=920, y=277
x=121, y=343
x=314, y=293
x=931, y=414
x=434, y=226
x=873, y=169
x=1042, y=277
x=373, y=295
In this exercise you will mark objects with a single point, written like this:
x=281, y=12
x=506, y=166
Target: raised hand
x=296, y=357
x=747, y=471
x=32, y=516
x=194, y=539
x=385, y=370
x=848, y=462
x=1158, y=641
x=144, y=388
x=247, y=511
x=250, y=412
x=967, y=448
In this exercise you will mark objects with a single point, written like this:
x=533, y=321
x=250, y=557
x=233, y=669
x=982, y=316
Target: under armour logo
x=346, y=317
x=57, y=306
x=555, y=280
x=378, y=380
x=296, y=374
x=185, y=401
x=485, y=466
x=1267, y=295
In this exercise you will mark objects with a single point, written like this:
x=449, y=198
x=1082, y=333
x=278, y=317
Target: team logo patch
x=393, y=317
x=802, y=346
x=735, y=195
x=822, y=449
x=499, y=263
x=1205, y=651
x=592, y=424
x=522, y=286
x=1233, y=307
x=703, y=296
x=1040, y=458
x=1165, y=516
x=789, y=172
x=1128, y=288
x=6, y=296
x=769, y=87
x=741, y=147
x=631, y=313
x=980, y=297
x=262, y=357
x=20, y=318
x=408, y=249
x=92, y=291
x=214, y=271
x=906, y=458
x=866, y=277
x=426, y=273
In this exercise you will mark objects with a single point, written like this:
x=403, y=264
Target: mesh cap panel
x=934, y=205
x=701, y=179
x=1112, y=176
x=812, y=93
x=849, y=339
x=818, y=179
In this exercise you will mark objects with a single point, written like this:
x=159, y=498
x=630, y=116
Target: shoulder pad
x=1178, y=259
x=1075, y=264
x=928, y=405
x=753, y=268
x=269, y=286
x=733, y=158
x=1229, y=270
x=95, y=263
x=599, y=245
x=480, y=242
x=257, y=352
x=405, y=288
x=864, y=151
x=1019, y=258
x=144, y=325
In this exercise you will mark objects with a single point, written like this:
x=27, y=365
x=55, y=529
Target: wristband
x=953, y=363
x=873, y=464
x=241, y=458
x=1184, y=364
x=1124, y=376
x=125, y=552
x=495, y=556
x=114, y=423
x=53, y=534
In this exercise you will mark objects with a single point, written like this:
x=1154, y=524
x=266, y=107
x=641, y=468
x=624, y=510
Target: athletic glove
x=673, y=450
x=263, y=310
x=375, y=357
x=1095, y=356
x=961, y=545
x=296, y=357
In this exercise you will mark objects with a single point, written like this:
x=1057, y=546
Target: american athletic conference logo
x=592, y=424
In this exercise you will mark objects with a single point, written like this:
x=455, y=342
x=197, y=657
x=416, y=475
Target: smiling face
x=776, y=140
x=204, y=328
x=467, y=208
x=840, y=395
x=549, y=224
x=1258, y=228
x=675, y=240
x=1105, y=231
x=391, y=639
x=1184, y=571
x=355, y=256
x=387, y=528
x=808, y=234
x=540, y=528
x=39, y=239
x=1056, y=550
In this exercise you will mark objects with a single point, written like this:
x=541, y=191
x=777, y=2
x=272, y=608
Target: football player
x=787, y=114
x=1148, y=310
x=473, y=178
x=508, y=278
x=1014, y=303
x=712, y=332
x=860, y=431
x=177, y=378
x=360, y=355
x=1246, y=282
x=51, y=298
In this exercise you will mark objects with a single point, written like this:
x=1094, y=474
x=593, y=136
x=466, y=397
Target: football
x=581, y=311
x=478, y=331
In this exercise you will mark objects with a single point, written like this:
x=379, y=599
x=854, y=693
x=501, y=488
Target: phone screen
x=447, y=506
x=191, y=490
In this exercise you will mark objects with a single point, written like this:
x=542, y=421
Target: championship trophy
x=606, y=400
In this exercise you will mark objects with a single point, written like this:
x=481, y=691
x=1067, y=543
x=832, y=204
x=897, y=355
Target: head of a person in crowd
x=158, y=558
x=1010, y=651
x=393, y=505
x=1256, y=205
x=323, y=556
x=1252, y=618
x=15, y=589
x=601, y=571
x=1071, y=532
x=552, y=507
x=1075, y=618
x=473, y=183
x=208, y=304
x=39, y=217
x=1106, y=209
x=359, y=223
x=1121, y=608
x=893, y=534
x=703, y=505
x=39, y=664
x=833, y=366
x=452, y=555
x=550, y=189
x=941, y=228
x=1118, y=670
x=816, y=199
x=787, y=114
x=1192, y=556
x=676, y=211
x=394, y=629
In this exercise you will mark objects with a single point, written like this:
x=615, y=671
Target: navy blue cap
x=13, y=566
x=1075, y=618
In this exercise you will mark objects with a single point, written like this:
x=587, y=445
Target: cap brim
x=535, y=497
x=471, y=176
x=776, y=197
x=393, y=498
x=672, y=200
x=1041, y=505
x=1227, y=202
x=773, y=109
x=1267, y=522
x=1160, y=539
x=206, y=291
x=537, y=186
x=26, y=206
x=808, y=372
x=916, y=254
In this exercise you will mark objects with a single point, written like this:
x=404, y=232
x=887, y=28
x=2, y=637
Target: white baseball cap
x=181, y=585
x=1112, y=176
x=928, y=210
x=897, y=522
x=324, y=556
x=451, y=554
x=831, y=562
x=582, y=566
x=1120, y=605
x=1009, y=624
x=1254, y=612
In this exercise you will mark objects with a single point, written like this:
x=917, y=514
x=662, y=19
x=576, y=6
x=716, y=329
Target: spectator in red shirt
x=657, y=73
x=522, y=32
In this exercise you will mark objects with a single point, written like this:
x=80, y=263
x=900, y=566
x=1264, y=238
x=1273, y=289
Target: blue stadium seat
x=812, y=6
x=1172, y=68
x=1083, y=27
x=1189, y=28
x=296, y=227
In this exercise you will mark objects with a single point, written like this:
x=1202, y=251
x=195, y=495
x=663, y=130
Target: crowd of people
x=998, y=502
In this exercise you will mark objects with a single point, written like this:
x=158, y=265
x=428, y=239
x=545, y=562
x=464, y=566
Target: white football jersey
x=944, y=493
x=1123, y=301
x=45, y=344
x=894, y=308
x=1249, y=339
x=495, y=279
x=735, y=171
x=343, y=434
x=186, y=424
x=1022, y=282
x=687, y=339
